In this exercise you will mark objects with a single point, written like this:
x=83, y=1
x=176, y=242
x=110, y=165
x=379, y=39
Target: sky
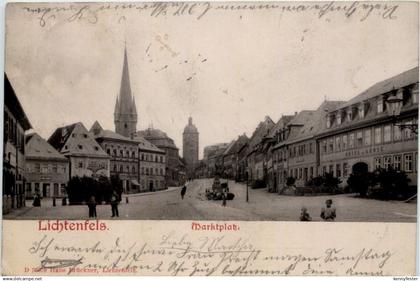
x=226, y=68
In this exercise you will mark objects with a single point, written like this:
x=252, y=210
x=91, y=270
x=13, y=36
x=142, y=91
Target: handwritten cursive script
x=91, y=13
x=179, y=254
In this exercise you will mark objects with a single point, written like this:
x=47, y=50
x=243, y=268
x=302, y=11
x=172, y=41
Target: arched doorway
x=151, y=185
x=360, y=168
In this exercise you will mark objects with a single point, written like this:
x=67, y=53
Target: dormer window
x=361, y=110
x=380, y=105
x=415, y=94
x=80, y=146
x=349, y=114
x=339, y=118
x=328, y=121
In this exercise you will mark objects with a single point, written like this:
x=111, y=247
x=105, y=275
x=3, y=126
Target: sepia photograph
x=234, y=111
x=210, y=138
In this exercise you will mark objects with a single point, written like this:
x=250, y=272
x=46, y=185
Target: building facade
x=152, y=166
x=124, y=156
x=46, y=170
x=302, y=162
x=15, y=124
x=366, y=133
x=86, y=156
x=125, y=113
x=161, y=140
x=190, y=147
x=256, y=152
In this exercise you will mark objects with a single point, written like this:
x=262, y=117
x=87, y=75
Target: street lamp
x=247, y=193
x=394, y=105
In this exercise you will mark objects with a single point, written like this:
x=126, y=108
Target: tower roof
x=190, y=128
x=125, y=103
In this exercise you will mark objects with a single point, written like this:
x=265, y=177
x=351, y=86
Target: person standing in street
x=114, y=204
x=92, y=207
x=328, y=212
x=183, y=191
x=224, y=197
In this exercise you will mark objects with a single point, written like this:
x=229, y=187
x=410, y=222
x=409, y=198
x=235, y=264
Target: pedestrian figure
x=92, y=207
x=183, y=191
x=54, y=202
x=328, y=212
x=114, y=204
x=224, y=197
x=37, y=200
x=304, y=215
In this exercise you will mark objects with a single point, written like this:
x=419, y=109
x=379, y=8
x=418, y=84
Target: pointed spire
x=134, y=109
x=125, y=90
x=117, y=107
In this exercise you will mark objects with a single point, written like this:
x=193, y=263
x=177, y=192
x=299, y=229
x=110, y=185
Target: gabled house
x=86, y=156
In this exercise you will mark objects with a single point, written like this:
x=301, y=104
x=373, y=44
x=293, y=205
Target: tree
x=392, y=184
x=360, y=182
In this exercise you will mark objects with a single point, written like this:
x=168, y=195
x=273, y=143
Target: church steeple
x=125, y=113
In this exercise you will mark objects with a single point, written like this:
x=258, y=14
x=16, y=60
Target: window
x=331, y=169
x=151, y=172
x=324, y=170
x=133, y=154
x=368, y=138
x=108, y=151
x=407, y=132
x=115, y=152
x=122, y=153
x=338, y=143
x=311, y=171
x=351, y=140
x=311, y=149
x=121, y=169
x=142, y=170
x=147, y=171
x=387, y=133
x=359, y=139
x=361, y=111
x=80, y=165
x=331, y=146
x=387, y=162
x=339, y=118
x=345, y=169
x=380, y=106
x=415, y=93
x=37, y=168
x=161, y=171
x=397, y=162
x=378, y=163
x=115, y=168
x=338, y=170
x=80, y=146
x=378, y=135
x=324, y=146
x=349, y=115
x=344, y=145
x=397, y=133
x=408, y=162
x=55, y=168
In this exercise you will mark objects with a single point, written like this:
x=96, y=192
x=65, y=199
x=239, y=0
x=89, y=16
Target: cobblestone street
x=167, y=205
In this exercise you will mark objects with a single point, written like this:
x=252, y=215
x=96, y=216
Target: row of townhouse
x=375, y=129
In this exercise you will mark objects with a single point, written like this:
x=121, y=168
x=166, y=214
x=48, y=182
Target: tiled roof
x=75, y=139
x=316, y=121
x=398, y=81
x=262, y=130
x=157, y=137
x=37, y=147
x=146, y=145
x=280, y=124
x=108, y=134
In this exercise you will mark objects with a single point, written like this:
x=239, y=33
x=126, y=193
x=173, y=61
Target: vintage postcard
x=210, y=138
